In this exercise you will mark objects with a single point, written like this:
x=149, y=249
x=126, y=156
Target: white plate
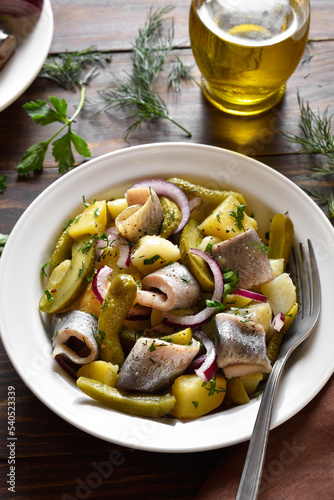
x=26, y=337
x=34, y=40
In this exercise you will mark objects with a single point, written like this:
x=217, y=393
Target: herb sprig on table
x=42, y=113
x=317, y=140
x=3, y=182
x=68, y=69
x=136, y=91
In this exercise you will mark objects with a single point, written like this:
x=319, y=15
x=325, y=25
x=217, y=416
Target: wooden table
x=53, y=459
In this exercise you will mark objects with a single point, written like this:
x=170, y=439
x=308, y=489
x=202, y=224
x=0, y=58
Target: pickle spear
x=209, y=196
x=62, y=250
x=143, y=405
x=172, y=216
x=191, y=237
x=281, y=237
x=60, y=295
x=117, y=303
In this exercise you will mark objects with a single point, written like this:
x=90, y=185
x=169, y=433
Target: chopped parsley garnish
x=195, y=403
x=152, y=347
x=55, y=335
x=48, y=295
x=239, y=215
x=208, y=248
x=43, y=269
x=100, y=335
x=215, y=303
x=152, y=260
x=82, y=269
x=213, y=387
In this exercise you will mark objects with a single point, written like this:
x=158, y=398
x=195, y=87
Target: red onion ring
x=20, y=8
x=198, y=319
x=278, y=321
x=195, y=202
x=139, y=313
x=259, y=297
x=171, y=191
x=208, y=368
x=99, y=283
x=65, y=366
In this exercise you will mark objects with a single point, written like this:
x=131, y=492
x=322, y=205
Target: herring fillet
x=74, y=335
x=153, y=364
x=172, y=287
x=241, y=346
x=143, y=216
x=243, y=254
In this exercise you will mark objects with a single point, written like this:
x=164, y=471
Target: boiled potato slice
x=153, y=253
x=102, y=371
x=232, y=300
x=195, y=398
x=262, y=310
x=281, y=293
x=93, y=220
x=222, y=224
x=277, y=265
x=115, y=207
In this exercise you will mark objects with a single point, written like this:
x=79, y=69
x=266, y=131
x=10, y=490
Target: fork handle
x=252, y=472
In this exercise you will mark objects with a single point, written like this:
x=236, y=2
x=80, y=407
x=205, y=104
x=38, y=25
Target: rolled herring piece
x=74, y=335
x=172, y=287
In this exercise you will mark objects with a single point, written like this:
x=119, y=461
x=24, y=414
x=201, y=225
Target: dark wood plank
x=253, y=136
x=116, y=22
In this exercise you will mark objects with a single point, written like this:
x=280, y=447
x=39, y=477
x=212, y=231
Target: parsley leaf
x=215, y=303
x=41, y=113
x=239, y=215
x=3, y=182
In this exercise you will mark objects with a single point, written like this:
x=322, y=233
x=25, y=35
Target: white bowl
x=25, y=332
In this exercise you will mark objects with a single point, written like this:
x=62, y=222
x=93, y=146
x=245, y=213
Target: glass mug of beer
x=247, y=49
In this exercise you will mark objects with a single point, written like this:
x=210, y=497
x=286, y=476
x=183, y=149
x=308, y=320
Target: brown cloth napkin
x=299, y=463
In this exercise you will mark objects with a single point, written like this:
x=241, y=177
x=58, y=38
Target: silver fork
x=304, y=271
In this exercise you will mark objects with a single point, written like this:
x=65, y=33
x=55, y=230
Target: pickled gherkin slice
x=281, y=237
x=62, y=250
x=209, y=196
x=172, y=216
x=116, y=305
x=236, y=391
x=143, y=405
x=63, y=293
x=191, y=237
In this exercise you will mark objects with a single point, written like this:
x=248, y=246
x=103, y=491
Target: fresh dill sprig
x=178, y=72
x=322, y=199
x=68, y=69
x=137, y=93
x=317, y=138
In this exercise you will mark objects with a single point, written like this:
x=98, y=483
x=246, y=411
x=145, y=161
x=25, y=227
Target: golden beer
x=245, y=62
